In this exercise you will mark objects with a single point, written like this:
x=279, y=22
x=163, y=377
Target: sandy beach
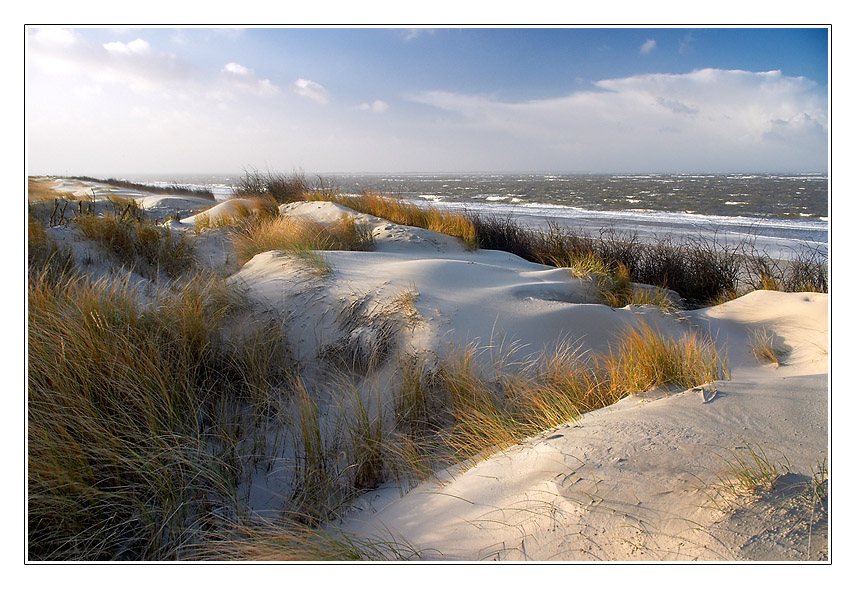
x=724, y=470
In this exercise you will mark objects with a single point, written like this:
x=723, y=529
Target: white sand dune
x=627, y=482
x=635, y=481
x=157, y=206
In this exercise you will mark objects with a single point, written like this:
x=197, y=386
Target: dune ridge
x=651, y=477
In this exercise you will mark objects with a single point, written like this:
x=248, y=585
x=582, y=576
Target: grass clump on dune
x=403, y=212
x=764, y=347
x=282, y=188
x=299, y=236
x=134, y=241
x=135, y=427
x=644, y=358
x=44, y=254
x=490, y=415
x=39, y=190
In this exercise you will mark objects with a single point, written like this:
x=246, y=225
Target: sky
x=112, y=101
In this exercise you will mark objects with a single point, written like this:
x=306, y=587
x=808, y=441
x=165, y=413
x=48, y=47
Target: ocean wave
x=630, y=215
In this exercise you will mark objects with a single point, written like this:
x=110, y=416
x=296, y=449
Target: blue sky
x=203, y=100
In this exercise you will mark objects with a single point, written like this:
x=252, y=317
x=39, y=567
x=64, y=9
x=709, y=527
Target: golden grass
x=490, y=415
x=44, y=254
x=133, y=241
x=403, y=212
x=39, y=190
x=259, y=207
x=133, y=417
x=644, y=358
x=764, y=347
x=299, y=236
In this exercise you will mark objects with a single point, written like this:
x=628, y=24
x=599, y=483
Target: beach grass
x=750, y=469
x=282, y=188
x=44, y=255
x=300, y=236
x=173, y=189
x=555, y=389
x=39, y=190
x=138, y=244
x=764, y=347
x=404, y=212
x=135, y=416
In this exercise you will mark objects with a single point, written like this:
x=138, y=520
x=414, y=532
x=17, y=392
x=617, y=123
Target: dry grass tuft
x=45, y=255
x=282, y=188
x=138, y=244
x=299, y=236
x=137, y=438
x=490, y=415
x=372, y=331
x=764, y=347
x=747, y=470
x=39, y=190
x=644, y=358
x=403, y=212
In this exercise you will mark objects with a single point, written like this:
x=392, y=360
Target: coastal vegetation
x=173, y=189
x=702, y=270
x=152, y=409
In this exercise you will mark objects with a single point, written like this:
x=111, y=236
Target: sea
x=783, y=214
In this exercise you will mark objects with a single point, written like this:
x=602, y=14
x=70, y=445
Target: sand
x=634, y=481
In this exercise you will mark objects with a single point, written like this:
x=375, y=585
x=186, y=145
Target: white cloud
x=374, y=106
x=236, y=68
x=53, y=38
x=648, y=46
x=63, y=52
x=236, y=77
x=312, y=90
x=707, y=119
x=138, y=46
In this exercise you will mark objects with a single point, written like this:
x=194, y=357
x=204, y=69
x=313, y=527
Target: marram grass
x=132, y=425
x=764, y=347
x=299, y=236
x=490, y=415
x=403, y=212
x=134, y=242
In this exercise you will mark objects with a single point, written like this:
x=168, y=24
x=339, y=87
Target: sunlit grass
x=132, y=241
x=299, y=236
x=40, y=190
x=403, y=212
x=134, y=416
x=492, y=414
